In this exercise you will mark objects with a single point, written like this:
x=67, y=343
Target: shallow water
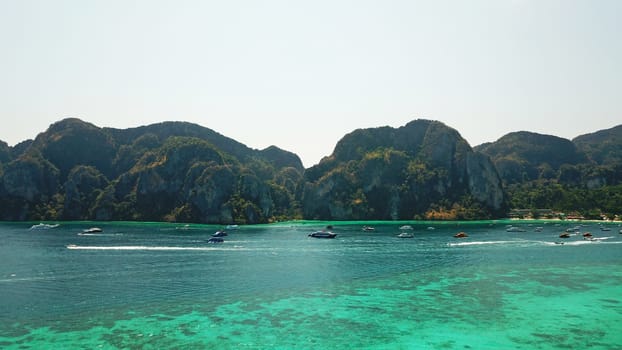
x=154, y=286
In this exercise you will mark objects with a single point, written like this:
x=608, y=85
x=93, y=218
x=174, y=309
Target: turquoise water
x=157, y=286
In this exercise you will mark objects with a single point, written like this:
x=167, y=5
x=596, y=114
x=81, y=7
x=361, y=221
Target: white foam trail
x=99, y=234
x=26, y=279
x=550, y=243
x=482, y=243
x=152, y=248
x=579, y=242
x=593, y=241
x=600, y=240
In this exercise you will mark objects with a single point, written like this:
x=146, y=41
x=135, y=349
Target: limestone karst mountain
x=177, y=171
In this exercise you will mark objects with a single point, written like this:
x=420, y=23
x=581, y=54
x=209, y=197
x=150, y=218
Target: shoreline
x=181, y=225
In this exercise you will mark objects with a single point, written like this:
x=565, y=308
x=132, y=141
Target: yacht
x=322, y=234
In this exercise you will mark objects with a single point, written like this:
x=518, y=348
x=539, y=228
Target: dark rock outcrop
x=386, y=173
x=5, y=152
x=84, y=184
x=30, y=179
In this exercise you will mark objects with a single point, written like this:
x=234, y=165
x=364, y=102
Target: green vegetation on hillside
x=182, y=172
x=542, y=171
x=162, y=172
x=422, y=170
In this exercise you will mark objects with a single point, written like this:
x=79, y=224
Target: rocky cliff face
x=84, y=184
x=184, y=172
x=31, y=179
x=5, y=152
x=484, y=182
x=402, y=173
x=168, y=171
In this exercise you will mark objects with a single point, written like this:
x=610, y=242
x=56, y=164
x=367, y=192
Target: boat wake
x=100, y=234
x=601, y=240
x=462, y=244
x=150, y=248
x=42, y=226
x=598, y=240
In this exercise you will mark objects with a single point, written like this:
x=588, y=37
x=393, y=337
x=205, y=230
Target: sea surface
x=163, y=286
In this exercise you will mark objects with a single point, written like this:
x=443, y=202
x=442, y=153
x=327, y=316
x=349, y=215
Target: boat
x=42, y=226
x=220, y=234
x=515, y=229
x=92, y=230
x=564, y=235
x=430, y=228
x=461, y=235
x=406, y=235
x=232, y=227
x=406, y=227
x=587, y=235
x=604, y=228
x=368, y=229
x=322, y=234
x=215, y=240
x=539, y=229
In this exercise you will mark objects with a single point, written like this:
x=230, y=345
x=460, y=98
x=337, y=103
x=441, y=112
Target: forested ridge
x=582, y=176
x=177, y=171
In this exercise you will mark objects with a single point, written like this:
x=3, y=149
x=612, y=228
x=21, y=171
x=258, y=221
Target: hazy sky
x=301, y=74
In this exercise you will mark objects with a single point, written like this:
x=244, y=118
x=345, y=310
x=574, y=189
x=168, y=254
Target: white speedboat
x=93, y=230
x=219, y=234
x=406, y=235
